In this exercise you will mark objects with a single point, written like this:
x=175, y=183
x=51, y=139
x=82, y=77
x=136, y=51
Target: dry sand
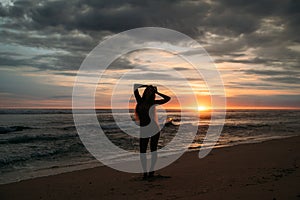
x=268, y=170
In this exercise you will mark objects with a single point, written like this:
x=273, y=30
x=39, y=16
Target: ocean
x=36, y=142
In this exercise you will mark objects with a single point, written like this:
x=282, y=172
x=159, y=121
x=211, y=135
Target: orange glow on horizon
x=202, y=108
x=166, y=107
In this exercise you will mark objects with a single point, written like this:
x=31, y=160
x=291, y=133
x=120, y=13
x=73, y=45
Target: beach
x=267, y=170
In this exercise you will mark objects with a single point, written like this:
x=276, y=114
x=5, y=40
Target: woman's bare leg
x=143, y=157
x=153, y=148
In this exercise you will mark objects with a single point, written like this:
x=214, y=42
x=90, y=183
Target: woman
x=146, y=115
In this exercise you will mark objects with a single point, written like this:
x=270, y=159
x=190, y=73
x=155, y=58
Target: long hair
x=148, y=98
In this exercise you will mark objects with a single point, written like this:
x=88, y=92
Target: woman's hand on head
x=136, y=86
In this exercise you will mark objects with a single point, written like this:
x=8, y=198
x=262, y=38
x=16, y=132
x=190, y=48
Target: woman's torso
x=147, y=114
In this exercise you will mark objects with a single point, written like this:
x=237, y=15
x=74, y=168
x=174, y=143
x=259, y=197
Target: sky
x=255, y=46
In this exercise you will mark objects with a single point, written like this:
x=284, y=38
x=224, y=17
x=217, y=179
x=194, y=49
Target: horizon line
x=170, y=108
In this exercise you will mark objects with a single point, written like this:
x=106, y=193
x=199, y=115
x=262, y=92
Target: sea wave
x=53, y=140
x=31, y=138
x=8, y=129
x=47, y=111
x=76, y=147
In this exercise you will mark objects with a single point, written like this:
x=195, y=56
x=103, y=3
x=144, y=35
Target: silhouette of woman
x=145, y=113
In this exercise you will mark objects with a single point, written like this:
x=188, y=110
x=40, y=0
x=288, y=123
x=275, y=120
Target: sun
x=202, y=108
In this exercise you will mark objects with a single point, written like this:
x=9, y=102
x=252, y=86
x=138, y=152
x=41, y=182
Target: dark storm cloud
x=111, y=16
x=195, y=18
x=116, y=16
x=19, y=9
x=244, y=19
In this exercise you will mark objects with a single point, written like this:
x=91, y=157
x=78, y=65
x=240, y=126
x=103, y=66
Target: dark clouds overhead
x=262, y=34
x=226, y=18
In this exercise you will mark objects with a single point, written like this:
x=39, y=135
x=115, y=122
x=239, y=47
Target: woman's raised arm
x=136, y=91
x=162, y=101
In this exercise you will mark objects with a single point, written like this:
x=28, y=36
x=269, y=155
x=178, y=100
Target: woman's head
x=149, y=94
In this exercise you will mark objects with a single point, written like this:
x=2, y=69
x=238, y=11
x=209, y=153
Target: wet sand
x=268, y=170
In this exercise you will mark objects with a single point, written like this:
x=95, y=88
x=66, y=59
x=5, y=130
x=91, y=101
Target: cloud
x=265, y=100
x=275, y=76
x=272, y=72
x=228, y=26
x=252, y=37
x=43, y=62
x=19, y=84
x=285, y=79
